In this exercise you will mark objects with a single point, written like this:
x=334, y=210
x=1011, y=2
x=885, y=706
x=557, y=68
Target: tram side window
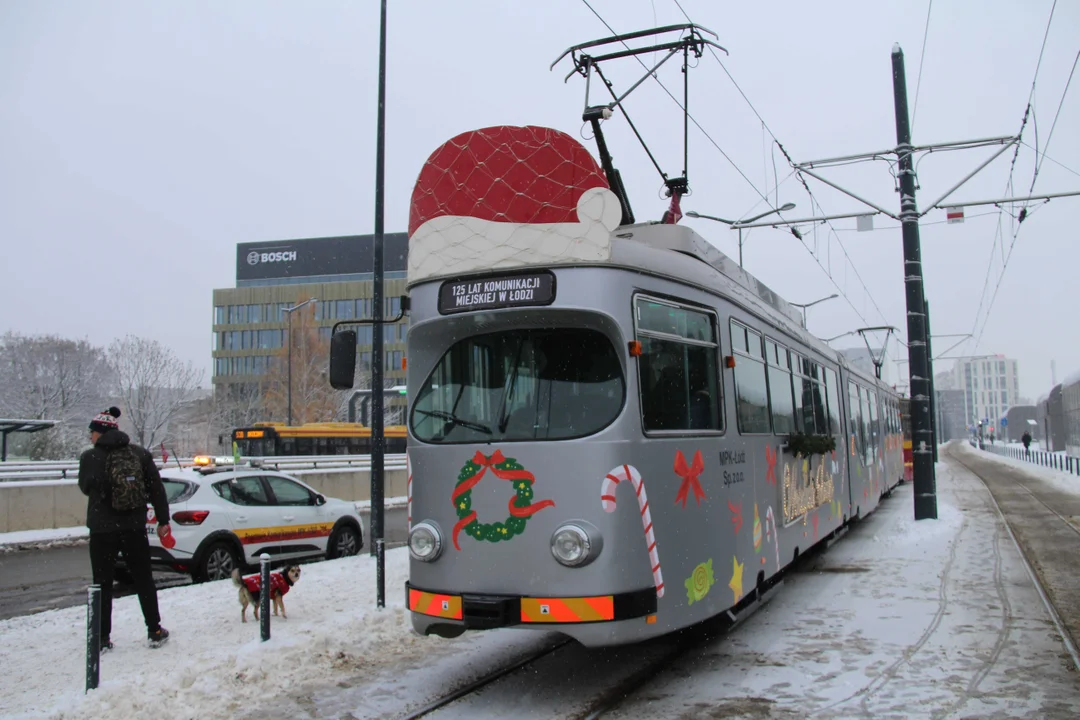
x=855, y=421
x=777, y=358
x=751, y=390
x=875, y=431
x=868, y=441
x=817, y=396
x=678, y=370
x=833, y=398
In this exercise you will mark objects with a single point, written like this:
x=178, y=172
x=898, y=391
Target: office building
x=991, y=385
x=250, y=321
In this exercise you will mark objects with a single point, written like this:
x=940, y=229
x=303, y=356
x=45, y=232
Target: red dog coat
x=277, y=582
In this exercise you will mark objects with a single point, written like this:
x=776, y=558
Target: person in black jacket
x=114, y=531
x=1026, y=439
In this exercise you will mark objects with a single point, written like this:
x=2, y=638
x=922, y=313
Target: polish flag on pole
x=954, y=214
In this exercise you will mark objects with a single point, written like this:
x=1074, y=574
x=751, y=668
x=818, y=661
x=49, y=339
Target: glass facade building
x=250, y=322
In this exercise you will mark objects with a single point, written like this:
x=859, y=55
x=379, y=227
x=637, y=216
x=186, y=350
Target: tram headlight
x=425, y=542
x=571, y=545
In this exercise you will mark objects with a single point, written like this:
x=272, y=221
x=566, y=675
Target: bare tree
x=313, y=400
x=153, y=385
x=47, y=377
x=235, y=405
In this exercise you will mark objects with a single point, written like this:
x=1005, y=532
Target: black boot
x=158, y=637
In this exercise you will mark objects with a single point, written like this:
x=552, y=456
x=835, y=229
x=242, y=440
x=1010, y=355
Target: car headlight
x=571, y=545
x=425, y=542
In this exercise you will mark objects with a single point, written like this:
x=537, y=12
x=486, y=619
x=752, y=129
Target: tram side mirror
x=342, y=359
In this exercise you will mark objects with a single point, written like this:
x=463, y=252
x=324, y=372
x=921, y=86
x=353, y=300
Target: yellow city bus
x=332, y=438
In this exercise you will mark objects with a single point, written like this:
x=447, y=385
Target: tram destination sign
x=506, y=291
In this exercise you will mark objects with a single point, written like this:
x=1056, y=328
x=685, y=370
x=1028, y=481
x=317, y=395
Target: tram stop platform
x=945, y=618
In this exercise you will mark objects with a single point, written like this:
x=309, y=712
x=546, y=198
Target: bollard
x=380, y=580
x=264, y=596
x=93, y=636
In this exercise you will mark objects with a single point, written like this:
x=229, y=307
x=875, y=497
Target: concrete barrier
x=47, y=504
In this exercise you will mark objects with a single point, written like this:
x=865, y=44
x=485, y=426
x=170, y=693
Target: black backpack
x=127, y=482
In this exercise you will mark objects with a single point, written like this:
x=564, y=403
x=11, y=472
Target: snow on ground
x=901, y=618
x=335, y=646
x=1061, y=481
x=24, y=539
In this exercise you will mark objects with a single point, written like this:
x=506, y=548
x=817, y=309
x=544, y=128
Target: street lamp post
x=808, y=305
x=737, y=224
x=289, y=311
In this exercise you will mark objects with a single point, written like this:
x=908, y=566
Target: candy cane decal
x=607, y=501
x=771, y=521
x=408, y=488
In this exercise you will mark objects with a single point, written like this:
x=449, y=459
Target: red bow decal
x=736, y=515
x=771, y=456
x=690, y=478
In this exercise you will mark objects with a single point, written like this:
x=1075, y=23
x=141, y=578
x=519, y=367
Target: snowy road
x=49, y=578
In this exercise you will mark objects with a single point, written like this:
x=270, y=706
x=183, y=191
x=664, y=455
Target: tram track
x=1033, y=560
x=660, y=654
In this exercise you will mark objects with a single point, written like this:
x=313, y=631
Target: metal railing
x=51, y=470
x=1054, y=461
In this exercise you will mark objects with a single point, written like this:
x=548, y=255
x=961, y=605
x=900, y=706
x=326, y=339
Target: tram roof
x=674, y=251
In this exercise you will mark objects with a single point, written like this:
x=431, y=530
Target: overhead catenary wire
x=922, y=58
x=1029, y=114
x=1050, y=135
x=806, y=187
x=681, y=107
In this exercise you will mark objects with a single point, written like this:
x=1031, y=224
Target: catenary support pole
x=935, y=425
x=264, y=597
x=377, y=439
x=922, y=439
x=93, y=636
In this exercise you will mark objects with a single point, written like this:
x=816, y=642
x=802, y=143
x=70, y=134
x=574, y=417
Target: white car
x=225, y=518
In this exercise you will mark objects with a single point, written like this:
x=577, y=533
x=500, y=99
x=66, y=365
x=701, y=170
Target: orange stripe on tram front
x=567, y=610
x=444, y=606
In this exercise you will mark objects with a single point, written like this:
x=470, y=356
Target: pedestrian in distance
x=119, y=480
x=1026, y=439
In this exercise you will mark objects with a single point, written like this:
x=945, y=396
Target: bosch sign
x=254, y=258
x=321, y=257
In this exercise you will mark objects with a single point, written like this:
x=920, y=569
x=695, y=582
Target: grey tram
x=619, y=447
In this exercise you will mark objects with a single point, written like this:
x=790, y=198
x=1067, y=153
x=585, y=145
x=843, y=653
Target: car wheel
x=345, y=542
x=217, y=563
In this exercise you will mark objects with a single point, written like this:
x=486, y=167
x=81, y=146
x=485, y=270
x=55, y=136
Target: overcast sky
x=141, y=141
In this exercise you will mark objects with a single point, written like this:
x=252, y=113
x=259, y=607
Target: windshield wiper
x=504, y=416
x=451, y=418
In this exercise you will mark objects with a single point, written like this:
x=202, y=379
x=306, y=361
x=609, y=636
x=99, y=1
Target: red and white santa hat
x=505, y=196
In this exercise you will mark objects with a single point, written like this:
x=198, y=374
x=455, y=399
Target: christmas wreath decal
x=521, y=505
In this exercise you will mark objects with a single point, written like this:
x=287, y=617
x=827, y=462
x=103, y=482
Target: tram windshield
x=542, y=384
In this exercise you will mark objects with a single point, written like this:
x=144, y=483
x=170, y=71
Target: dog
x=250, y=588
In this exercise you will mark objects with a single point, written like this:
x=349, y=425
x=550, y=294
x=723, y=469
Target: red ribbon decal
x=736, y=515
x=690, y=477
x=485, y=462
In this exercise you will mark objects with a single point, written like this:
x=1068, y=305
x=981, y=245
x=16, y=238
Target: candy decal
x=689, y=477
x=698, y=584
x=757, y=530
x=770, y=530
x=408, y=489
x=607, y=501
